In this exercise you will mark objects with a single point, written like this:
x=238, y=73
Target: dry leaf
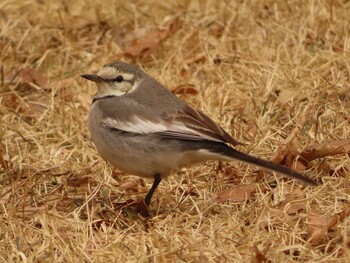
x=252, y=129
x=287, y=153
x=196, y=59
x=12, y=102
x=3, y=163
x=284, y=148
x=338, y=217
x=292, y=204
x=30, y=75
x=327, y=148
x=116, y=174
x=187, y=89
x=238, y=194
x=145, y=46
x=320, y=224
x=78, y=180
x=28, y=101
x=130, y=185
x=318, y=227
x=259, y=256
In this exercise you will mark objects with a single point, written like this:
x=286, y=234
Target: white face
x=114, y=82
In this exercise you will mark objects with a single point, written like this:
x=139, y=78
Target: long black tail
x=234, y=154
x=227, y=153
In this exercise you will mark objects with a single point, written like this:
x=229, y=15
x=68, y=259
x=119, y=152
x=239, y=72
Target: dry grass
x=261, y=68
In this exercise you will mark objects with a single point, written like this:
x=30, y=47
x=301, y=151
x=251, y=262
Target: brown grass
x=261, y=68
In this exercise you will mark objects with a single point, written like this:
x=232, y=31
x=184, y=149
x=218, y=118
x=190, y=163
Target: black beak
x=92, y=77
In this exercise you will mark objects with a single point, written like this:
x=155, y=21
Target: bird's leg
x=156, y=182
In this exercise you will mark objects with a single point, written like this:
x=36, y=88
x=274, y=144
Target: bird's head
x=115, y=79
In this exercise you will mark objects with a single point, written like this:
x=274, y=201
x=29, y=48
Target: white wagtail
x=140, y=127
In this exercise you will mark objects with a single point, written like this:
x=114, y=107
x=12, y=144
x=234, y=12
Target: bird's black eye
x=119, y=79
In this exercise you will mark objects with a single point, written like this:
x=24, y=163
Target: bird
x=142, y=128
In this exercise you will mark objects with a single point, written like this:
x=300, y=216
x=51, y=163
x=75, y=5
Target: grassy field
x=274, y=74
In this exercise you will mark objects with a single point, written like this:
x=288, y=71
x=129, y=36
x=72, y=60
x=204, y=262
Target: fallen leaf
x=145, y=46
x=284, y=148
x=292, y=204
x=187, y=89
x=30, y=75
x=288, y=150
x=116, y=174
x=29, y=101
x=3, y=163
x=327, y=148
x=252, y=129
x=231, y=171
x=238, y=194
x=196, y=59
x=175, y=25
x=338, y=217
x=319, y=225
x=76, y=181
x=259, y=256
x=12, y=101
x=130, y=185
x=287, y=153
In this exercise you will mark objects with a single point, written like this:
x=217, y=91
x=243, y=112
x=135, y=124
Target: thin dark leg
x=156, y=182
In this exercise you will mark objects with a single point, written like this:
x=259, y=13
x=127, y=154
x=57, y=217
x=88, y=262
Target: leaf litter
x=36, y=216
x=147, y=45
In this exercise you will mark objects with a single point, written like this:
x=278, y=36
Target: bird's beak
x=92, y=77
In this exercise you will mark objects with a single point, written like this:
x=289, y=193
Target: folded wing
x=187, y=124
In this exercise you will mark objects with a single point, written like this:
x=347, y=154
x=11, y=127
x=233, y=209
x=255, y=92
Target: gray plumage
x=140, y=127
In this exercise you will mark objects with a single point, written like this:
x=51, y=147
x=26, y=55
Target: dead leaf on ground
x=288, y=145
x=327, y=148
x=77, y=181
x=292, y=204
x=196, y=59
x=186, y=89
x=3, y=163
x=28, y=101
x=252, y=129
x=116, y=174
x=259, y=256
x=30, y=105
x=319, y=225
x=30, y=75
x=130, y=185
x=287, y=153
x=238, y=194
x=145, y=46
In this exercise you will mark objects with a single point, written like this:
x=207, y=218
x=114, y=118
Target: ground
x=274, y=74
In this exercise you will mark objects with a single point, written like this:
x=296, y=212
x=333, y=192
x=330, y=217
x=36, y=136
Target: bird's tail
x=227, y=153
x=237, y=155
